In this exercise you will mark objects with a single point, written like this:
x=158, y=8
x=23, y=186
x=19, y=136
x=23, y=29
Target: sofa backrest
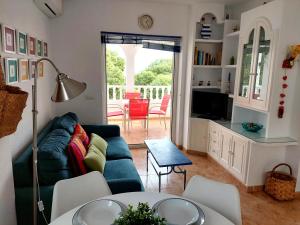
x=53, y=167
x=22, y=165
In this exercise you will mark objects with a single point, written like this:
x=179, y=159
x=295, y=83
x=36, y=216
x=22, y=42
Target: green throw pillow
x=94, y=159
x=99, y=142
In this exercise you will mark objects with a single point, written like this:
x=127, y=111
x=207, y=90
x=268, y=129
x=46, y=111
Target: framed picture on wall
x=45, y=49
x=32, y=65
x=11, y=70
x=39, y=48
x=22, y=43
x=40, y=68
x=31, y=45
x=9, y=39
x=23, y=70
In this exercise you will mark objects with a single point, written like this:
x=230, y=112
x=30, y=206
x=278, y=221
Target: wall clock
x=145, y=22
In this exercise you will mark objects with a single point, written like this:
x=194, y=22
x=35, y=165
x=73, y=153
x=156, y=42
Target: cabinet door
x=226, y=141
x=214, y=146
x=247, y=49
x=238, y=157
x=198, y=134
x=262, y=66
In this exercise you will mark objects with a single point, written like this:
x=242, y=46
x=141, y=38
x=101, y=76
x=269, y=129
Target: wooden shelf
x=206, y=87
x=208, y=41
x=233, y=34
x=230, y=66
x=208, y=66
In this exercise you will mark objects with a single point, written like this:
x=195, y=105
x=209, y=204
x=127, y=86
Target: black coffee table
x=166, y=154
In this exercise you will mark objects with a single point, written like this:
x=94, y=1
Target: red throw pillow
x=76, y=152
x=80, y=132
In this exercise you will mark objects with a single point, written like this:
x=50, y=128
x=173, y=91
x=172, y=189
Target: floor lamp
x=66, y=89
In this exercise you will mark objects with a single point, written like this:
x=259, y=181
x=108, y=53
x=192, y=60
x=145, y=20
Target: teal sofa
x=53, y=165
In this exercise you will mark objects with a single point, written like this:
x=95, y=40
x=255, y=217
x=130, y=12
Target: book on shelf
x=204, y=58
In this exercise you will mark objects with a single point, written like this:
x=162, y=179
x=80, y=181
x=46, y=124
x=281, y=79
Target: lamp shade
x=67, y=88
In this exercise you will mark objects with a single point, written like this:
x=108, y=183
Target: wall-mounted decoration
x=9, y=39
x=145, y=22
x=23, y=70
x=31, y=45
x=45, y=49
x=32, y=65
x=39, y=48
x=11, y=70
x=40, y=68
x=22, y=43
x=288, y=63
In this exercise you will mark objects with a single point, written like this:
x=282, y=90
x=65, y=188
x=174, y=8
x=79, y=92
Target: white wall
x=25, y=16
x=236, y=10
x=77, y=48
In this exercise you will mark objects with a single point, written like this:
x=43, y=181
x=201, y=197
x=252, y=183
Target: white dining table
x=133, y=198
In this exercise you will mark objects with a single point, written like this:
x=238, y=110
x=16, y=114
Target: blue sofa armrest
x=105, y=131
x=24, y=204
x=124, y=185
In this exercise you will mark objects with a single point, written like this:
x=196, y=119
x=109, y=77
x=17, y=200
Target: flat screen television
x=209, y=105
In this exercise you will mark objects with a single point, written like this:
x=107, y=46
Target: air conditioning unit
x=52, y=8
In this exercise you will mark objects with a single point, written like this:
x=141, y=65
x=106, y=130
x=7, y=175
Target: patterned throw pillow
x=76, y=152
x=95, y=160
x=80, y=132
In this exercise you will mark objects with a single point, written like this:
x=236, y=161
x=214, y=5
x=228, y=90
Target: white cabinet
x=229, y=149
x=255, y=65
x=238, y=156
x=214, y=141
x=198, y=134
x=226, y=143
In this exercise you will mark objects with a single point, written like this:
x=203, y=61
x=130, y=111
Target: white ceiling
x=204, y=1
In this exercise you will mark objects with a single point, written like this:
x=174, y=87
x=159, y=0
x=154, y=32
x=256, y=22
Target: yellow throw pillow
x=94, y=159
x=99, y=142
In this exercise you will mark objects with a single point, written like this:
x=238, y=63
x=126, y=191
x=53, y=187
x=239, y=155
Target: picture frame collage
x=25, y=50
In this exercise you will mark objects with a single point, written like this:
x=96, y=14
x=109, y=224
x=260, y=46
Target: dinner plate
x=103, y=211
x=178, y=211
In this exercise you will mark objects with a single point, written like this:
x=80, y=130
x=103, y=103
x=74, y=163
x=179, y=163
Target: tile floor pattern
x=257, y=208
x=137, y=133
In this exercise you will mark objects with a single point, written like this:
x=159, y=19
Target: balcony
x=136, y=134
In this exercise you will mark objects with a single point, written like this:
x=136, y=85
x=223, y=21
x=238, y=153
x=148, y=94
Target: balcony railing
x=154, y=93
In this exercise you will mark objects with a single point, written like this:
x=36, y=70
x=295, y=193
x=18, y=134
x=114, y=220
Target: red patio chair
x=131, y=95
x=162, y=109
x=117, y=111
x=138, y=110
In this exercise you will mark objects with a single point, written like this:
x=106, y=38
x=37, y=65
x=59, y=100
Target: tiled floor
x=137, y=133
x=257, y=208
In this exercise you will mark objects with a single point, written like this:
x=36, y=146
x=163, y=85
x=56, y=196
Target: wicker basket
x=12, y=104
x=280, y=185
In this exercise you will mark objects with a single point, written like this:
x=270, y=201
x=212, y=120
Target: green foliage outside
x=158, y=73
x=115, y=66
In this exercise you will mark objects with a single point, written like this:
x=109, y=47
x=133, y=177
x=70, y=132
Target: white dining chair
x=221, y=197
x=76, y=191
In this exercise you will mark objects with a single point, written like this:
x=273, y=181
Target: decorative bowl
x=177, y=211
x=104, y=210
x=252, y=127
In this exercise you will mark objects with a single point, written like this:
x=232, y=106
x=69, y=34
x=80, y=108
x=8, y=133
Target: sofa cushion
x=52, y=158
x=76, y=152
x=67, y=122
x=120, y=169
x=117, y=149
x=94, y=159
x=80, y=132
x=99, y=142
